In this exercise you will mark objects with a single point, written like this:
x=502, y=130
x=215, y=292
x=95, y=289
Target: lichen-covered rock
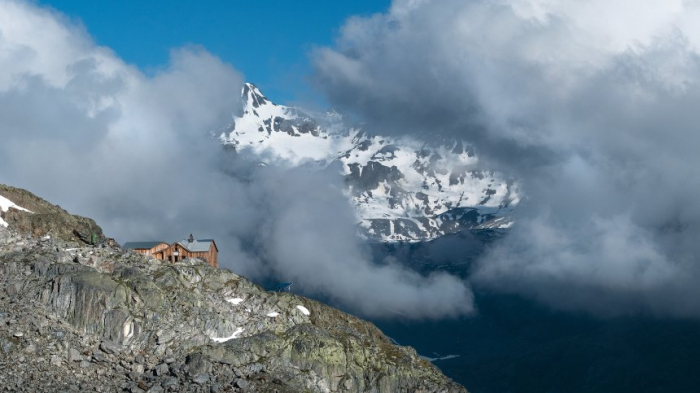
x=101, y=318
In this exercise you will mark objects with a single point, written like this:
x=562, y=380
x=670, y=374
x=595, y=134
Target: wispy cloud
x=592, y=105
x=84, y=129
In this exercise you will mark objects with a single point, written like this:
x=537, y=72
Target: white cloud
x=82, y=128
x=591, y=104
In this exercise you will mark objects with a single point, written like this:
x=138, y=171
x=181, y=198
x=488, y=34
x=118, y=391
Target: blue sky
x=267, y=40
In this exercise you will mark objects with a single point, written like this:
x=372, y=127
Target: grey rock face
x=162, y=369
x=74, y=355
x=102, y=319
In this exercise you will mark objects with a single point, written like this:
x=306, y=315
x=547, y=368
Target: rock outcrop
x=45, y=218
x=77, y=317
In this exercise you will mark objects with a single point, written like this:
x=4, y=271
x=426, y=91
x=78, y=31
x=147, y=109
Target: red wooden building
x=154, y=249
x=204, y=249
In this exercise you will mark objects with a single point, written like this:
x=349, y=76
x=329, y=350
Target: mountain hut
x=153, y=249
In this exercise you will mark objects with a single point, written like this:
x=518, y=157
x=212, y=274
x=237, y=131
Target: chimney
x=191, y=239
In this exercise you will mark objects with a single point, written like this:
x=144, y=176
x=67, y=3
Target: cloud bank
x=136, y=152
x=592, y=105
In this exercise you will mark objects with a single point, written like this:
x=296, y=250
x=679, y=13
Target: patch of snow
x=273, y=314
x=304, y=310
x=5, y=205
x=231, y=337
x=234, y=300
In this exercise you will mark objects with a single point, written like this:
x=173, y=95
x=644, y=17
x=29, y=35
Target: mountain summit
x=403, y=189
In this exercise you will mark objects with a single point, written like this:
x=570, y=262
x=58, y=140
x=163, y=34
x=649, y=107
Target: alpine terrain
x=78, y=313
x=402, y=189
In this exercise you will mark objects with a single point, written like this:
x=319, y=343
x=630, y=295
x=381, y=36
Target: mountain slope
x=99, y=318
x=402, y=189
x=30, y=214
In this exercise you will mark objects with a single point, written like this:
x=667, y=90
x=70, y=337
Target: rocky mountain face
x=402, y=189
x=82, y=317
x=27, y=213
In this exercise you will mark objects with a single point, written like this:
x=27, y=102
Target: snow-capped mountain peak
x=277, y=132
x=253, y=97
x=403, y=189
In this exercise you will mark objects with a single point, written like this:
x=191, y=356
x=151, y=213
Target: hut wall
x=156, y=252
x=211, y=256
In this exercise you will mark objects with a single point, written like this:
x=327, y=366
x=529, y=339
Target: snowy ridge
x=5, y=205
x=402, y=189
x=277, y=132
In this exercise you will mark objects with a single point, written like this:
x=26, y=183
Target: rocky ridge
x=77, y=317
x=38, y=217
x=402, y=189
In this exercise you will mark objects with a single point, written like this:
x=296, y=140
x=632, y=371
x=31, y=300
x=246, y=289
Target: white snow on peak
x=231, y=337
x=5, y=205
x=304, y=310
x=403, y=189
x=273, y=314
x=264, y=129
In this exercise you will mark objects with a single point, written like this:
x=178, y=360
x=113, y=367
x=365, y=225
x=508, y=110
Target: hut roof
x=141, y=245
x=198, y=245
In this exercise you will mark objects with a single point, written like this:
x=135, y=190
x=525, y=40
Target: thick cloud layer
x=137, y=152
x=308, y=235
x=592, y=105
